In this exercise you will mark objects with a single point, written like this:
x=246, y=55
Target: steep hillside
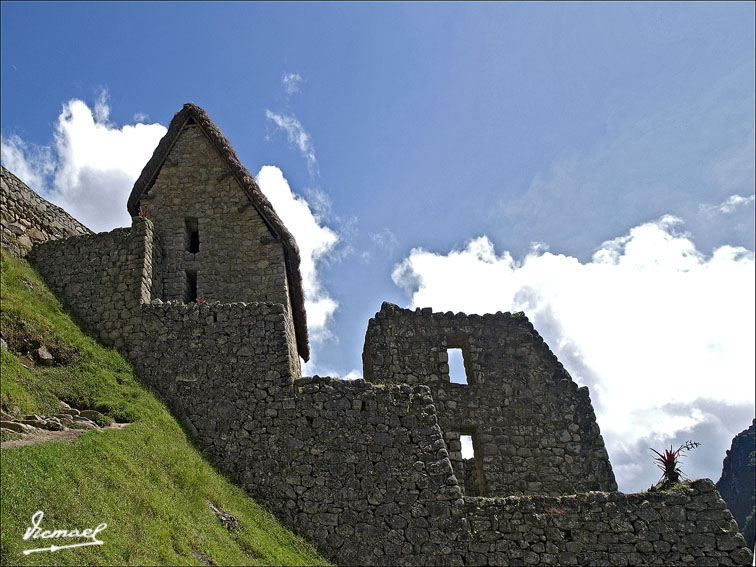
x=161, y=501
x=737, y=482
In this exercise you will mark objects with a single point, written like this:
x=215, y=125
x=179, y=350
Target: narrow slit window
x=472, y=465
x=192, y=235
x=190, y=292
x=457, y=372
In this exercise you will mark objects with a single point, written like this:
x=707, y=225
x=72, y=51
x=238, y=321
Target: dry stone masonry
x=203, y=294
x=104, y=278
x=533, y=430
x=28, y=218
x=686, y=526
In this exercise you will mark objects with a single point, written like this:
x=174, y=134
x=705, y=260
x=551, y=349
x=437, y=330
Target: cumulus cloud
x=662, y=334
x=315, y=367
x=92, y=164
x=297, y=136
x=315, y=242
x=291, y=82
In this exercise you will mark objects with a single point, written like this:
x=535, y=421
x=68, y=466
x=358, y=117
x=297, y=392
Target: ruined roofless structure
x=203, y=295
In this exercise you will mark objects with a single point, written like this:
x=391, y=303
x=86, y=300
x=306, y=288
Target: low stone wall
x=28, y=219
x=102, y=277
x=210, y=361
x=686, y=526
x=362, y=471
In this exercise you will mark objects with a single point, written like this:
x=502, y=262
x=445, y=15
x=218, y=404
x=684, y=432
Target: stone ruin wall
x=361, y=469
x=533, y=430
x=690, y=525
x=103, y=278
x=28, y=218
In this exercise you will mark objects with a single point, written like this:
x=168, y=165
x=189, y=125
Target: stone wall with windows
x=533, y=430
x=372, y=472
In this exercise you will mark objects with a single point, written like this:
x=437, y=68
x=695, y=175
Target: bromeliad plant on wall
x=669, y=463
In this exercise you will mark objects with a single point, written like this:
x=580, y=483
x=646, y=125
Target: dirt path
x=44, y=436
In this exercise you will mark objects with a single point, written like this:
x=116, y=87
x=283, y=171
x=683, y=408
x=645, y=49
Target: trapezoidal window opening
x=456, y=362
x=192, y=235
x=190, y=287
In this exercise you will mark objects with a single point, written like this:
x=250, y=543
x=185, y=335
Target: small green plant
x=669, y=462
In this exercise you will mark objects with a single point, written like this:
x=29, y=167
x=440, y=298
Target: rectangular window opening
x=467, y=446
x=192, y=235
x=190, y=291
x=472, y=467
x=456, y=361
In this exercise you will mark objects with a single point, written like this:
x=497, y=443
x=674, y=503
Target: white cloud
x=91, y=166
x=316, y=367
x=657, y=330
x=353, y=374
x=730, y=205
x=315, y=242
x=296, y=135
x=102, y=107
x=291, y=82
x=385, y=240
x=32, y=164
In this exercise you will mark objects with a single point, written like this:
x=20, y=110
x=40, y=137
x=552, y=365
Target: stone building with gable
x=203, y=295
x=220, y=238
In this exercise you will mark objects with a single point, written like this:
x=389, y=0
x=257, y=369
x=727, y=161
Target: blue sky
x=592, y=164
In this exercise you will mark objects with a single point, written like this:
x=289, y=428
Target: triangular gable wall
x=192, y=114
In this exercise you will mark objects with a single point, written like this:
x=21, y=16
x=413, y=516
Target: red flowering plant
x=669, y=462
x=143, y=212
x=200, y=300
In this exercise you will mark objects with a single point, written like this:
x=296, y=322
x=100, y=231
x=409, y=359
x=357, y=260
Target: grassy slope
x=146, y=481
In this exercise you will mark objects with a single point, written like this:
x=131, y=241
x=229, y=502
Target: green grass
x=146, y=481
